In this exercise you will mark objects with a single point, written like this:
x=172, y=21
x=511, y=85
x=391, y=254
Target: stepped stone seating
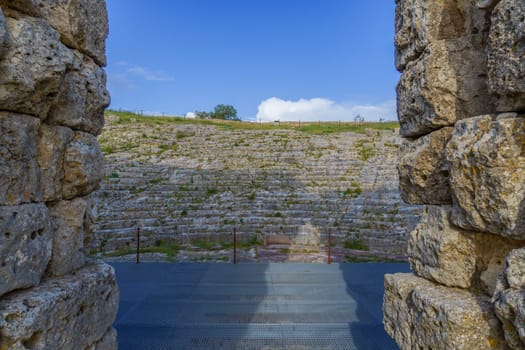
x=260, y=182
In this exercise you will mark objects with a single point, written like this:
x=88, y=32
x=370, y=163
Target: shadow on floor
x=252, y=306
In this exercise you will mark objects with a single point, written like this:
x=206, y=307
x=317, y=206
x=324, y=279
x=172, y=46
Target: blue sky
x=270, y=59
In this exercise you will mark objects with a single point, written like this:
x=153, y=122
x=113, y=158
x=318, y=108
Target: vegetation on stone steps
x=314, y=128
x=356, y=243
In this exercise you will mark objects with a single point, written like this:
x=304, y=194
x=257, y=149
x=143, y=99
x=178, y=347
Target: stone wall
x=193, y=181
x=461, y=105
x=52, y=98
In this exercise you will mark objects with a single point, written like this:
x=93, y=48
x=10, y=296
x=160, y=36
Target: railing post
x=235, y=245
x=138, y=244
x=329, y=246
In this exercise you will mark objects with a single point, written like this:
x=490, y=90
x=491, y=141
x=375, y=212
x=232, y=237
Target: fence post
x=329, y=260
x=235, y=245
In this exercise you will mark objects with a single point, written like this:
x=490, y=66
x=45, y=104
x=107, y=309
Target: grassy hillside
x=311, y=127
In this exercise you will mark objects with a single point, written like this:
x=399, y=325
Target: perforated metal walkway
x=252, y=306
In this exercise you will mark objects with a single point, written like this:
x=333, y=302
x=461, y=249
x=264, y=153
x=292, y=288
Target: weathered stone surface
x=83, y=168
x=510, y=308
x=419, y=23
x=108, y=341
x=69, y=225
x=5, y=37
x=19, y=173
x=82, y=98
x=506, y=55
x=487, y=175
x=509, y=299
x=33, y=68
x=453, y=257
x=30, y=7
x=52, y=143
x=70, y=312
x=445, y=85
x=423, y=169
x=25, y=245
x=515, y=268
x=83, y=24
x=419, y=314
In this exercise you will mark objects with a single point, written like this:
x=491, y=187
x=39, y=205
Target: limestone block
x=69, y=312
x=515, y=268
x=506, y=55
x=52, y=143
x=487, y=174
x=19, y=173
x=509, y=299
x=82, y=97
x=419, y=23
x=25, y=245
x=108, y=341
x=447, y=83
x=423, y=169
x=33, y=68
x=68, y=219
x=83, y=25
x=419, y=314
x=5, y=37
x=83, y=168
x=453, y=257
x=30, y=7
x=510, y=308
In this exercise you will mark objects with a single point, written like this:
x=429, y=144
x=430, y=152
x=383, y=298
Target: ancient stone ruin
x=184, y=181
x=52, y=98
x=461, y=100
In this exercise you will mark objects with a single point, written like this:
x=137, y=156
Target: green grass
x=312, y=128
x=354, y=190
x=203, y=244
x=355, y=244
x=169, y=248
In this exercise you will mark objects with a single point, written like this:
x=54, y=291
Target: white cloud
x=190, y=115
x=144, y=72
x=316, y=109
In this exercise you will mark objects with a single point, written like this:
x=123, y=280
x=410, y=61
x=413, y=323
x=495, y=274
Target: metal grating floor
x=252, y=306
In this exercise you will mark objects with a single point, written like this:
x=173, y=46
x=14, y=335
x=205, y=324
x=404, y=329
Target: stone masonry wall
x=461, y=105
x=52, y=98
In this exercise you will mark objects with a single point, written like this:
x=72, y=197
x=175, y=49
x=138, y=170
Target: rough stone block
x=69, y=312
x=509, y=299
x=83, y=168
x=506, y=55
x=5, y=37
x=25, y=245
x=515, y=268
x=33, y=68
x=419, y=314
x=69, y=226
x=423, y=169
x=30, y=7
x=447, y=83
x=83, y=25
x=82, y=97
x=487, y=174
x=418, y=23
x=108, y=342
x=19, y=172
x=52, y=143
x=453, y=257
